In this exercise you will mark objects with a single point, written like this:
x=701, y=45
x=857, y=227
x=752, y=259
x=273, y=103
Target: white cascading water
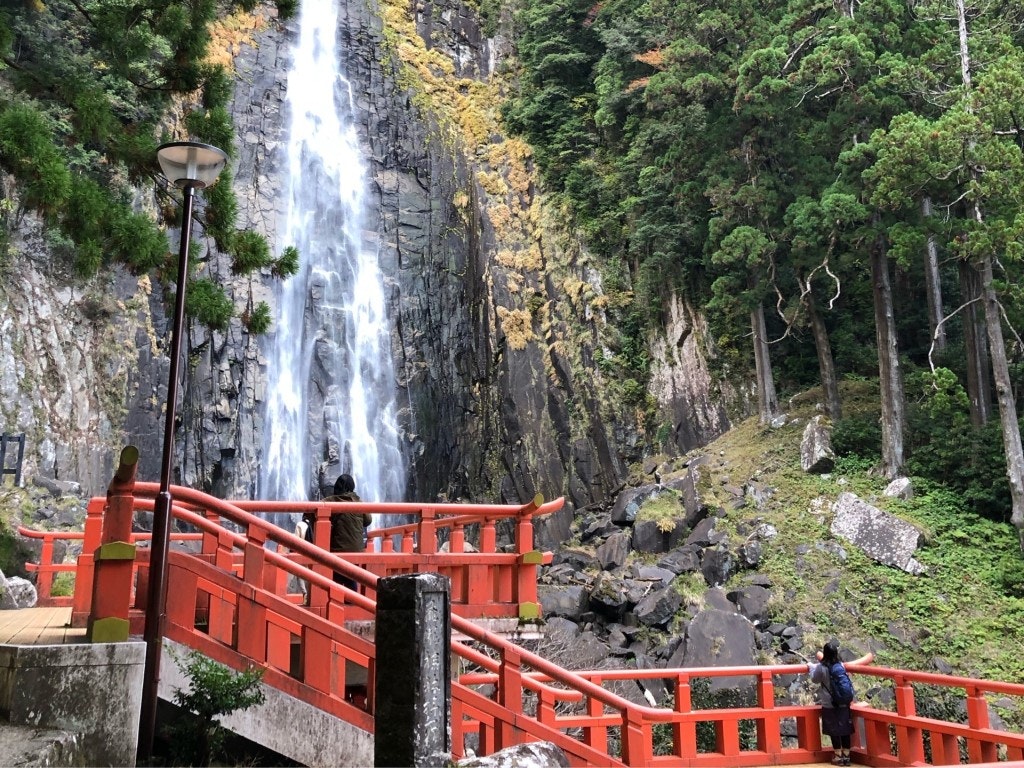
x=331, y=383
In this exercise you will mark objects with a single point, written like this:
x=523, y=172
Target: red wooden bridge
x=244, y=592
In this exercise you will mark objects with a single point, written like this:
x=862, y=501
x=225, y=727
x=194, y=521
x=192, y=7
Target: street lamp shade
x=190, y=164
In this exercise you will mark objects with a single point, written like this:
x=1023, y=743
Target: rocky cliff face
x=498, y=312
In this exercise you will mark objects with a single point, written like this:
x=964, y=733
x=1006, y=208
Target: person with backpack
x=348, y=531
x=835, y=694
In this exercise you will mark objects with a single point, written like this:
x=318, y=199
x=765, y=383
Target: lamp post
x=189, y=166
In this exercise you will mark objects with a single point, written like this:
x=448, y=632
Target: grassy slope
x=961, y=611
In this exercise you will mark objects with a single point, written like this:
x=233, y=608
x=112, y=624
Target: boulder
x=816, y=454
x=629, y=501
x=752, y=602
x=881, y=536
x=900, y=488
x=535, y=754
x=608, y=597
x=16, y=592
x=686, y=559
x=578, y=559
x=658, y=608
x=614, y=550
x=717, y=564
x=567, y=602
x=716, y=638
x=649, y=536
x=57, y=488
x=703, y=534
x=655, y=573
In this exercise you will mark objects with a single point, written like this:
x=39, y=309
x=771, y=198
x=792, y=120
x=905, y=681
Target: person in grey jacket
x=836, y=721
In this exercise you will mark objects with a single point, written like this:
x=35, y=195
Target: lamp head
x=191, y=164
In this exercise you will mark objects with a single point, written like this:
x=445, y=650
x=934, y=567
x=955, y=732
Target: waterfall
x=330, y=403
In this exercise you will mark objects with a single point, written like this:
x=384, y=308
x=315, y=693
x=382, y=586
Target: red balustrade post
x=528, y=561
x=44, y=576
x=684, y=734
x=637, y=741
x=427, y=533
x=510, y=693
x=115, y=557
x=909, y=741
x=596, y=736
x=251, y=627
x=86, y=566
x=457, y=539
x=977, y=719
x=769, y=737
x=318, y=596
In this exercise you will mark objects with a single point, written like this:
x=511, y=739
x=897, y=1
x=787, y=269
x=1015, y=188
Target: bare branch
x=935, y=333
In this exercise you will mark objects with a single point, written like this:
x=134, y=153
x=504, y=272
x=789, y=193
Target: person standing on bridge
x=348, y=531
x=835, y=694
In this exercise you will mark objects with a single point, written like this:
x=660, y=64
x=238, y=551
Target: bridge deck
x=39, y=626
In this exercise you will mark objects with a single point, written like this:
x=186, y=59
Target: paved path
x=39, y=626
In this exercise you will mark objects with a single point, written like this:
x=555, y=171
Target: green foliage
x=287, y=264
x=206, y=302
x=217, y=87
x=221, y=211
x=213, y=126
x=258, y=321
x=63, y=585
x=859, y=435
x=87, y=87
x=286, y=8
x=249, y=253
x=214, y=690
x=973, y=463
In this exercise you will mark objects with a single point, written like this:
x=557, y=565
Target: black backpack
x=840, y=686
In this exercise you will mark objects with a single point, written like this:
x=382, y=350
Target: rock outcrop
x=497, y=326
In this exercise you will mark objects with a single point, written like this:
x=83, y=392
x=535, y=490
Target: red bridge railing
x=487, y=582
x=230, y=598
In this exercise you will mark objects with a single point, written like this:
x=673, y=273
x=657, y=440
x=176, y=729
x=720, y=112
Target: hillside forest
x=837, y=184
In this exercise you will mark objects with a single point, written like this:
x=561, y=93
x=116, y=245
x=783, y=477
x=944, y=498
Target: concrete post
x=413, y=671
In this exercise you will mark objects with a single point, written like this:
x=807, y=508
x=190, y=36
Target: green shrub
x=287, y=264
x=859, y=435
x=206, y=302
x=258, y=321
x=249, y=252
x=214, y=690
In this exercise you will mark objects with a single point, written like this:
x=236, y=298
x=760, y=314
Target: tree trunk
x=933, y=285
x=1004, y=394
x=890, y=377
x=979, y=390
x=996, y=346
x=826, y=363
x=767, y=400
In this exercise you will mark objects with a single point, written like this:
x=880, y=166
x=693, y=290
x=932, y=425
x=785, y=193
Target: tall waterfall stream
x=331, y=383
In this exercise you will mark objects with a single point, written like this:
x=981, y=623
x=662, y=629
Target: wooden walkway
x=39, y=626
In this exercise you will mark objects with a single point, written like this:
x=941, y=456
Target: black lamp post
x=190, y=166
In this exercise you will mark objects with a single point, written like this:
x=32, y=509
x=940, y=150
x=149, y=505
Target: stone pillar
x=413, y=676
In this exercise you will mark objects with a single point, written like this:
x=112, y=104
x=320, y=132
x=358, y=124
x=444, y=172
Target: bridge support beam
x=413, y=671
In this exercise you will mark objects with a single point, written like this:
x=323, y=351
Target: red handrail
x=230, y=600
x=486, y=583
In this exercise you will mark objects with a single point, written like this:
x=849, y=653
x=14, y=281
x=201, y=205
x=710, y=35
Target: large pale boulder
x=536, y=754
x=16, y=592
x=881, y=536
